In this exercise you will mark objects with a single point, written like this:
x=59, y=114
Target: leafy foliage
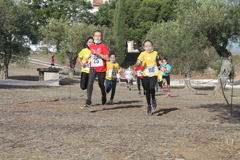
x=16, y=31
x=105, y=14
x=199, y=25
x=70, y=39
x=179, y=46
x=218, y=21
x=139, y=15
x=119, y=31
x=73, y=10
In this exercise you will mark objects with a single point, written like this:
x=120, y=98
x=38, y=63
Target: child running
x=128, y=77
x=112, y=75
x=160, y=80
x=99, y=54
x=82, y=56
x=149, y=59
x=139, y=70
x=166, y=75
x=52, y=61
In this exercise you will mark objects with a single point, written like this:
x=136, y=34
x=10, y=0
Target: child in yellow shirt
x=82, y=56
x=112, y=74
x=149, y=59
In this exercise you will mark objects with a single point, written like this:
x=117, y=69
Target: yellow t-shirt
x=160, y=75
x=112, y=70
x=83, y=54
x=149, y=63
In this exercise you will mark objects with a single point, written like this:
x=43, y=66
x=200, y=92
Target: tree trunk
x=72, y=66
x=224, y=72
x=187, y=82
x=4, y=67
x=1, y=72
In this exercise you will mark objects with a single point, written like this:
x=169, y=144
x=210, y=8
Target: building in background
x=132, y=47
x=98, y=3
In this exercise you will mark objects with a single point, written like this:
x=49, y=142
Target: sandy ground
x=46, y=122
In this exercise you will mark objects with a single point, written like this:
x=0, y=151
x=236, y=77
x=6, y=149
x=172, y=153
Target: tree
x=70, y=39
x=104, y=15
x=180, y=47
x=16, y=31
x=72, y=10
x=217, y=21
x=119, y=31
x=141, y=14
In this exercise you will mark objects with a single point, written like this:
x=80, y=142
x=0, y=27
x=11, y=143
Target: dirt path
x=44, y=123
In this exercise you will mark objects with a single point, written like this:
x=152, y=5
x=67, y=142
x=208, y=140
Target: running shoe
x=154, y=103
x=149, y=110
x=111, y=101
x=88, y=104
x=104, y=100
x=162, y=89
x=129, y=88
x=139, y=93
x=169, y=96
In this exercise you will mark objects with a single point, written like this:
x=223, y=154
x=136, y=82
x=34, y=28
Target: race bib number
x=151, y=70
x=118, y=75
x=112, y=73
x=129, y=75
x=97, y=61
x=166, y=71
x=139, y=73
x=87, y=67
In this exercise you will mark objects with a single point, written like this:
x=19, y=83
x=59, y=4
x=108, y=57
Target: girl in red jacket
x=139, y=71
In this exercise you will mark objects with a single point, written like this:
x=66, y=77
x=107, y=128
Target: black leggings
x=84, y=80
x=140, y=80
x=160, y=84
x=149, y=85
x=101, y=77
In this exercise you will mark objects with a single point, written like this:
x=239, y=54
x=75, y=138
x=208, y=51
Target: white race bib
x=112, y=73
x=128, y=75
x=118, y=75
x=87, y=67
x=139, y=73
x=151, y=70
x=97, y=61
x=167, y=70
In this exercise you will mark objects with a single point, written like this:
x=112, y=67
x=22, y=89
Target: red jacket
x=139, y=71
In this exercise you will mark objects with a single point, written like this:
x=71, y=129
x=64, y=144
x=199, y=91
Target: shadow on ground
x=24, y=78
x=202, y=88
x=126, y=102
x=164, y=111
x=119, y=107
x=224, y=111
x=63, y=82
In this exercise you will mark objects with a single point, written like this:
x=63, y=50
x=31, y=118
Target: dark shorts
x=167, y=79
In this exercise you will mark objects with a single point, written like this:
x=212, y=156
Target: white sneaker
x=111, y=101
